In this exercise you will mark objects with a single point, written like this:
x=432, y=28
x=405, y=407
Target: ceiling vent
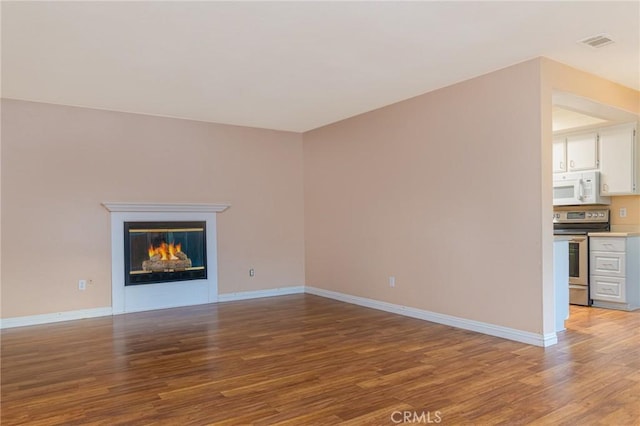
x=597, y=41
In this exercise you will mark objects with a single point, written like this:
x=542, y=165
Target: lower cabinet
x=614, y=264
x=608, y=288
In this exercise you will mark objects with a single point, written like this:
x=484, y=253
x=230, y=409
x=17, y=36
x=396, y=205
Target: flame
x=167, y=251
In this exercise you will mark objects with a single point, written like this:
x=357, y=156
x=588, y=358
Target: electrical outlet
x=82, y=284
x=392, y=281
x=252, y=272
x=623, y=212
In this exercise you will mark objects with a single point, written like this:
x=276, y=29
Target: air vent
x=597, y=41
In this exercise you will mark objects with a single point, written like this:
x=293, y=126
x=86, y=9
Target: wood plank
x=303, y=359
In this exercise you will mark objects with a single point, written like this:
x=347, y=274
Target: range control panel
x=580, y=216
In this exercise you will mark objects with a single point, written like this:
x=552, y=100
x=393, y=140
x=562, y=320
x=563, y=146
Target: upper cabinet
x=575, y=152
x=619, y=160
x=559, y=154
x=614, y=150
x=582, y=151
x=590, y=135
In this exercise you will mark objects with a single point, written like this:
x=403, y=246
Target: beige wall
x=629, y=202
x=441, y=191
x=401, y=191
x=433, y=190
x=59, y=163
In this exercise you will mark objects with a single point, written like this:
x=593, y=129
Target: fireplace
x=158, y=252
x=163, y=216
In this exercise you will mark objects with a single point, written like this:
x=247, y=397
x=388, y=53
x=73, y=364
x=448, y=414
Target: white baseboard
x=466, y=324
x=106, y=311
x=55, y=317
x=244, y=295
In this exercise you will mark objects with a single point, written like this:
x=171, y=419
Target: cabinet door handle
x=562, y=165
x=605, y=187
x=572, y=163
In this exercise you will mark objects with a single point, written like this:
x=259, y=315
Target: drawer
x=607, y=263
x=607, y=244
x=611, y=289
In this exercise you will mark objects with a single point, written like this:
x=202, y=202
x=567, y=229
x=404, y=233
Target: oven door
x=579, y=270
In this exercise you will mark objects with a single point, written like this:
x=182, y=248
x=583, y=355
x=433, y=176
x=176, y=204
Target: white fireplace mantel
x=161, y=295
x=165, y=207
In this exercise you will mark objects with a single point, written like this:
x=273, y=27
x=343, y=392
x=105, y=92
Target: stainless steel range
x=577, y=224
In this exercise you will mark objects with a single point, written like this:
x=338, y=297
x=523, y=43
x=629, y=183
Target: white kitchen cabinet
x=559, y=154
x=614, y=279
x=575, y=152
x=609, y=289
x=619, y=160
x=582, y=151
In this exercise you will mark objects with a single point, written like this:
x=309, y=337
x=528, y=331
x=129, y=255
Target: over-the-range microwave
x=577, y=188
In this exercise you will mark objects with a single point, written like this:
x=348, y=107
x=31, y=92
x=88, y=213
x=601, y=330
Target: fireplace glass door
x=157, y=252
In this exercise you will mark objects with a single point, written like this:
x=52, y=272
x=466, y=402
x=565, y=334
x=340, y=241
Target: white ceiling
x=292, y=65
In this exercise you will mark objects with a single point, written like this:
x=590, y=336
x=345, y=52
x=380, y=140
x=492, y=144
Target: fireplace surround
x=174, y=291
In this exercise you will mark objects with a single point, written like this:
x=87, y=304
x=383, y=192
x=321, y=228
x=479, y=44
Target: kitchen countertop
x=562, y=238
x=614, y=234
x=619, y=231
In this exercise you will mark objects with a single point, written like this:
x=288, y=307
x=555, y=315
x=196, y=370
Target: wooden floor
x=305, y=360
